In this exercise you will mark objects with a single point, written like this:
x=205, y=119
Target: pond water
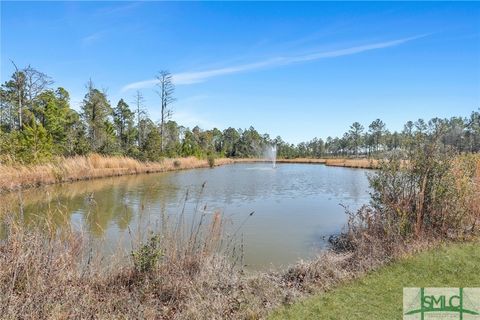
x=296, y=206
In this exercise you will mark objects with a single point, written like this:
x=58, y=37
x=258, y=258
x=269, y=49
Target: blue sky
x=299, y=70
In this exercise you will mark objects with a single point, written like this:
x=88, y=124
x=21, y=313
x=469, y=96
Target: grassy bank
x=352, y=163
x=296, y=160
x=302, y=160
x=379, y=294
x=363, y=163
x=14, y=177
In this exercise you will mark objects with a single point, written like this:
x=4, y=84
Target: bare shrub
x=433, y=195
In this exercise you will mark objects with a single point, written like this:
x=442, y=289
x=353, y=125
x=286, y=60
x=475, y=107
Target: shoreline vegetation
x=167, y=276
x=196, y=274
x=17, y=176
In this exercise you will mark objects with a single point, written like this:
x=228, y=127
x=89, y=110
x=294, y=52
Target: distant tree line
x=457, y=134
x=38, y=123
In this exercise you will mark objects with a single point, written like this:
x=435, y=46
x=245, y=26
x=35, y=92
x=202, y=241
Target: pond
x=295, y=206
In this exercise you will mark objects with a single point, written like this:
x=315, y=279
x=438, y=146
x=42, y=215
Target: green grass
x=378, y=295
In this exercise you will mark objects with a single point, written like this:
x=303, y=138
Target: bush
x=340, y=243
x=417, y=198
x=146, y=258
x=211, y=161
x=428, y=193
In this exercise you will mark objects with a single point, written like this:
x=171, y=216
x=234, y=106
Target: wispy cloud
x=92, y=38
x=186, y=78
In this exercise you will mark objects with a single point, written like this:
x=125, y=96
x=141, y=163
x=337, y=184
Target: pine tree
x=96, y=113
x=35, y=144
x=124, y=126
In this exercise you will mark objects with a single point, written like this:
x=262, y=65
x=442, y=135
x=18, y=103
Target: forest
x=37, y=123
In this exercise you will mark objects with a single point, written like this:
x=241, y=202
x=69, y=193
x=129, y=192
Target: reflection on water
x=295, y=205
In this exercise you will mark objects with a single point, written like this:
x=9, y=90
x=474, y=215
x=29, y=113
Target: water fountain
x=274, y=155
x=270, y=154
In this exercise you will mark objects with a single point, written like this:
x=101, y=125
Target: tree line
x=457, y=134
x=38, y=123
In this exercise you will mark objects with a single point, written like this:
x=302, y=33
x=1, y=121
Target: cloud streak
x=92, y=38
x=186, y=78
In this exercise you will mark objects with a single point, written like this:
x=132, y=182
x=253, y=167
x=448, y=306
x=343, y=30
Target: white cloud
x=186, y=78
x=92, y=38
x=201, y=76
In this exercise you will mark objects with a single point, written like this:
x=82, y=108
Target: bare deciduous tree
x=140, y=112
x=35, y=83
x=29, y=83
x=19, y=78
x=165, y=92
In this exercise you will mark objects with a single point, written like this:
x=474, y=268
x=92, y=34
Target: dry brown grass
x=50, y=276
x=296, y=160
x=468, y=189
x=353, y=163
x=14, y=177
x=302, y=160
x=59, y=277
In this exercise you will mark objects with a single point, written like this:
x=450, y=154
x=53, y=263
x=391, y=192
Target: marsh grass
x=46, y=276
x=50, y=274
x=302, y=160
x=17, y=176
x=353, y=163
